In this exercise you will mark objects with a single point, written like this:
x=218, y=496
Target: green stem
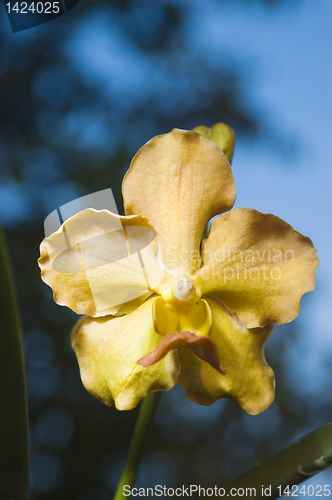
x=147, y=412
x=290, y=467
x=14, y=447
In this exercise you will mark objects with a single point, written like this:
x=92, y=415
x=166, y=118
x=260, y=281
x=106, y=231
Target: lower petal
x=248, y=379
x=107, y=351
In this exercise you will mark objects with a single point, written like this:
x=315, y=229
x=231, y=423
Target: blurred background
x=79, y=96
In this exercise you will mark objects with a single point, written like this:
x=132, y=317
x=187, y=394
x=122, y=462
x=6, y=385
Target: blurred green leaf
x=14, y=447
x=303, y=459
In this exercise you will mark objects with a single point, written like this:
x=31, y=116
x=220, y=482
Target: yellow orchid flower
x=162, y=309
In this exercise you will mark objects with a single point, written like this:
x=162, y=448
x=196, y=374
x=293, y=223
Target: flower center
x=181, y=292
x=184, y=289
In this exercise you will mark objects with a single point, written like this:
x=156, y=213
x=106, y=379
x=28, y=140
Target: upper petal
x=107, y=351
x=248, y=379
x=258, y=265
x=92, y=263
x=179, y=181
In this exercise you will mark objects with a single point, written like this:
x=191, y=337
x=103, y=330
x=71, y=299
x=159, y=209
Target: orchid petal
x=107, y=351
x=258, y=265
x=179, y=181
x=93, y=262
x=248, y=379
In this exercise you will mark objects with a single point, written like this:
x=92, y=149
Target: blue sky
x=287, y=55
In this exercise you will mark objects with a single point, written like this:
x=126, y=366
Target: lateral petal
x=93, y=263
x=107, y=351
x=258, y=265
